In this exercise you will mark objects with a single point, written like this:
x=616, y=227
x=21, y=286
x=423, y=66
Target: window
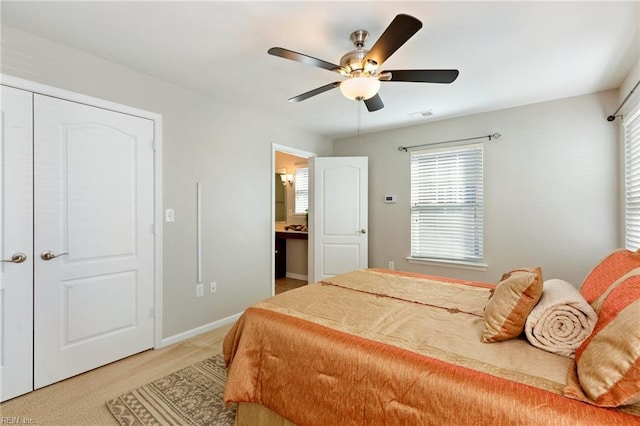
x=301, y=186
x=632, y=181
x=446, y=204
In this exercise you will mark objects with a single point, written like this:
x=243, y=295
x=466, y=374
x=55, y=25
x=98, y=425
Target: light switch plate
x=169, y=215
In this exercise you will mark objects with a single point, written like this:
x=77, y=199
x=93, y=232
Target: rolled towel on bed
x=561, y=320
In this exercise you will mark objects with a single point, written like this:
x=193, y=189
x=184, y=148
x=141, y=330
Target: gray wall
x=551, y=187
x=225, y=148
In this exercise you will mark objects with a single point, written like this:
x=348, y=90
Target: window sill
x=449, y=263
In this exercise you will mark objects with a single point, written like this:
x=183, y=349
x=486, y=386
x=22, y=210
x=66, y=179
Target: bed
x=384, y=347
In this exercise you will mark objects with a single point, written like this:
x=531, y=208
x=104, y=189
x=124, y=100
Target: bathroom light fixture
x=287, y=178
x=360, y=88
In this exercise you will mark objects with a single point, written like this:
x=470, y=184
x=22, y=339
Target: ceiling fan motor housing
x=352, y=61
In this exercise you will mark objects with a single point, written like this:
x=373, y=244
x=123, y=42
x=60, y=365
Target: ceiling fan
x=362, y=66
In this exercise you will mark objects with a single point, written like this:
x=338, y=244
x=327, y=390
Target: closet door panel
x=101, y=178
x=93, y=237
x=16, y=238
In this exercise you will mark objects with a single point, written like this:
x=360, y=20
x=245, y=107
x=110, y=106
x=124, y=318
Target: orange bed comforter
x=374, y=347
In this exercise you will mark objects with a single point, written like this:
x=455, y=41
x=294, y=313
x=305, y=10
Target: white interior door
x=93, y=222
x=16, y=244
x=339, y=215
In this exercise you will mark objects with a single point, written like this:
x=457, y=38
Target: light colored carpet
x=80, y=400
x=192, y=396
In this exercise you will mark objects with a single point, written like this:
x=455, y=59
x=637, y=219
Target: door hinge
x=152, y=313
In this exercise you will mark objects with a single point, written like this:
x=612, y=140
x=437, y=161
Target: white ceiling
x=509, y=53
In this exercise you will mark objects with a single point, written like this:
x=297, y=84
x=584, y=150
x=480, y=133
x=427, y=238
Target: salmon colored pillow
x=608, y=271
x=513, y=299
x=607, y=364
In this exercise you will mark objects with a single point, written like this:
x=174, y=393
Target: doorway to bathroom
x=290, y=208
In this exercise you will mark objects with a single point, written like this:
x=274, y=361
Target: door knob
x=48, y=255
x=16, y=258
x=363, y=231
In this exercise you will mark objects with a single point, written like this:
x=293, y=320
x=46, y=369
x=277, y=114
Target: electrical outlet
x=199, y=290
x=213, y=287
x=392, y=265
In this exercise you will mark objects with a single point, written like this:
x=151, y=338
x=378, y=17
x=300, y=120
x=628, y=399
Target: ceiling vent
x=421, y=114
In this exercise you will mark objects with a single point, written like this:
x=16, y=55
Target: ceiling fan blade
x=423, y=76
x=305, y=59
x=401, y=29
x=314, y=92
x=374, y=103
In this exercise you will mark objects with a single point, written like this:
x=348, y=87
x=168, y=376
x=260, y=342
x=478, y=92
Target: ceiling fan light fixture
x=360, y=88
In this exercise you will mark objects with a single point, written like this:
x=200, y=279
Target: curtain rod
x=614, y=115
x=407, y=148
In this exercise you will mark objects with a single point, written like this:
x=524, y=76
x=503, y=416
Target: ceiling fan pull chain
x=359, y=120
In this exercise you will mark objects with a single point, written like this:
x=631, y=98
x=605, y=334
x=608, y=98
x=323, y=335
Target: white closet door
x=93, y=187
x=16, y=242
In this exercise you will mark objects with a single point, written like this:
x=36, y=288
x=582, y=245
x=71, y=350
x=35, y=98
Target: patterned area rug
x=191, y=396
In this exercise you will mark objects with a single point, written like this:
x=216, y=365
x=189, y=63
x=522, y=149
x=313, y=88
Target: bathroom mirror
x=280, y=197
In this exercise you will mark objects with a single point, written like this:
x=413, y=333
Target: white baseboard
x=297, y=276
x=198, y=330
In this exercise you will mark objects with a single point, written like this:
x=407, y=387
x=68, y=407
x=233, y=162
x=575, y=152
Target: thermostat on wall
x=389, y=198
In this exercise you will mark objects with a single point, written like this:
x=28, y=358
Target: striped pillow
x=608, y=271
x=608, y=361
x=513, y=299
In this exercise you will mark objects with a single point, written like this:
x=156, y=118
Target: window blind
x=446, y=204
x=632, y=181
x=301, y=190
